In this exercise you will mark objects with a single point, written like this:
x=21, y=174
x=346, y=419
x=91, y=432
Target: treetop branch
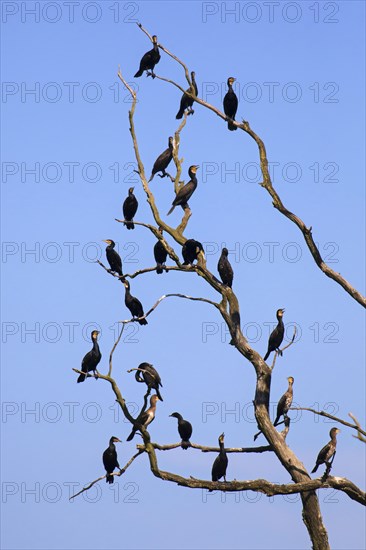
x=267, y=184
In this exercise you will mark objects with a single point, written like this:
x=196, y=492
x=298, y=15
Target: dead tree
x=227, y=305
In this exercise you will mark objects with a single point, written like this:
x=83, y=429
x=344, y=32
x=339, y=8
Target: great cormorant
x=113, y=258
x=161, y=163
x=147, y=417
x=327, y=452
x=130, y=208
x=221, y=461
x=149, y=59
x=230, y=103
x=224, y=268
x=190, y=251
x=185, y=192
x=110, y=460
x=150, y=376
x=92, y=358
x=276, y=337
x=285, y=402
x=160, y=255
x=186, y=102
x=184, y=429
x=133, y=304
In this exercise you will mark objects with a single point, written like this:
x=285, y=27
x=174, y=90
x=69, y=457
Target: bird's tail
x=151, y=178
x=276, y=421
x=159, y=269
x=171, y=210
x=109, y=479
x=81, y=378
x=130, y=225
x=231, y=126
x=131, y=436
x=315, y=468
x=139, y=73
x=266, y=356
x=143, y=322
x=185, y=444
x=159, y=394
x=179, y=114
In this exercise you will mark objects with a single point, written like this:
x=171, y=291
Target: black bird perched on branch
x=149, y=60
x=161, y=163
x=114, y=259
x=184, y=429
x=160, y=255
x=224, y=268
x=190, y=251
x=134, y=304
x=230, y=103
x=110, y=460
x=276, y=337
x=327, y=452
x=285, y=402
x=150, y=376
x=130, y=208
x=146, y=418
x=91, y=359
x=185, y=192
x=186, y=102
x=220, y=465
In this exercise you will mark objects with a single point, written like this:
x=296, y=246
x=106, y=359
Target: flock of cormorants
x=146, y=373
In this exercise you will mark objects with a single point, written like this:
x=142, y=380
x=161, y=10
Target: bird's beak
x=197, y=166
x=118, y=440
x=104, y=241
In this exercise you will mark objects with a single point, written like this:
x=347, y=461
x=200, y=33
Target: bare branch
x=121, y=472
x=259, y=485
x=206, y=449
x=136, y=319
x=355, y=426
x=112, y=351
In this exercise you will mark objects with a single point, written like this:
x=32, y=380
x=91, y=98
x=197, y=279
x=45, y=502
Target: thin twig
x=359, y=429
x=136, y=319
x=283, y=349
x=121, y=472
x=112, y=350
x=331, y=417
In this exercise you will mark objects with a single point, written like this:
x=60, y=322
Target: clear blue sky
x=67, y=163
